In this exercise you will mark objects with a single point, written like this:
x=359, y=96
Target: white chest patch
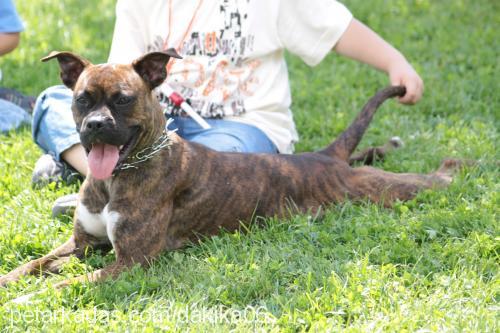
x=100, y=225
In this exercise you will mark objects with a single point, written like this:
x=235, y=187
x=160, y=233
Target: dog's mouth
x=104, y=158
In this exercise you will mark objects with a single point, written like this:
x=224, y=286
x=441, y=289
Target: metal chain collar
x=164, y=141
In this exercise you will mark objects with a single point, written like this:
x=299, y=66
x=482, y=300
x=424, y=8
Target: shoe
x=48, y=170
x=25, y=102
x=65, y=205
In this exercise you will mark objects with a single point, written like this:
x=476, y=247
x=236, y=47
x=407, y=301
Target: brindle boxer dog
x=149, y=191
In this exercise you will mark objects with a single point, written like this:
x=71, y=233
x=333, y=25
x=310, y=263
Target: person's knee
x=52, y=118
x=56, y=94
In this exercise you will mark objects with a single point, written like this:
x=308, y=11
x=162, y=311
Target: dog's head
x=113, y=106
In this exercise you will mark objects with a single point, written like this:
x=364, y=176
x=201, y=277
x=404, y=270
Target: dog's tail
x=345, y=144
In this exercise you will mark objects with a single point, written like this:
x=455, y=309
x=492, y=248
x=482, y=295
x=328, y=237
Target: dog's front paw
x=9, y=278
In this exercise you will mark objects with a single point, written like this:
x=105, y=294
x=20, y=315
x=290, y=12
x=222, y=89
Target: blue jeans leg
x=224, y=135
x=53, y=127
x=12, y=116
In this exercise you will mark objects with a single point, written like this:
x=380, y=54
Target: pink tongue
x=102, y=160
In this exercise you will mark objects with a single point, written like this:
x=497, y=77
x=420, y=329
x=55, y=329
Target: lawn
x=430, y=264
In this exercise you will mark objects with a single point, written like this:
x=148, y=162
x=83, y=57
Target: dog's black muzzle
x=101, y=128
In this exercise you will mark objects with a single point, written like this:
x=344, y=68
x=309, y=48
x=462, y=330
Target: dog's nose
x=98, y=122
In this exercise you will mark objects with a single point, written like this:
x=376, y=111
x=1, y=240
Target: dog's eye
x=123, y=100
x=83, y=101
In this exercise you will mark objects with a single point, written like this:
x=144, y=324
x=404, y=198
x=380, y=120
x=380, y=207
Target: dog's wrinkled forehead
x=109, y=78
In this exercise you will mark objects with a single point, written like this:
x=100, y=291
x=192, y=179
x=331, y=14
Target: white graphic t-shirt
x=233, y=64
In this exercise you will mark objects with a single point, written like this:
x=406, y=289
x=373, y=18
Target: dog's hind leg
x=386, y=187
x=372, y=154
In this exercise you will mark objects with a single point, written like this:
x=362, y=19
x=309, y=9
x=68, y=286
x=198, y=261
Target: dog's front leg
x=48, y=263
x=76, y=245
x=38, y=265
x=135, y=243
x=110, y=271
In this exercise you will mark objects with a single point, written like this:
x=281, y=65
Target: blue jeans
x=54, y=129
x=12, y=116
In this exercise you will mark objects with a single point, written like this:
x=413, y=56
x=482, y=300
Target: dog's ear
x=71, y=66
x=152, y=67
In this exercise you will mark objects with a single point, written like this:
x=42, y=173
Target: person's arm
x=8, y=42
x=360, y=43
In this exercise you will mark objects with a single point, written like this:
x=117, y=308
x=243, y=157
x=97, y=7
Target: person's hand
x=401, y=73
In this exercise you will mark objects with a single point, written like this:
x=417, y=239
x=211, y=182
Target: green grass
x=430, y=264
